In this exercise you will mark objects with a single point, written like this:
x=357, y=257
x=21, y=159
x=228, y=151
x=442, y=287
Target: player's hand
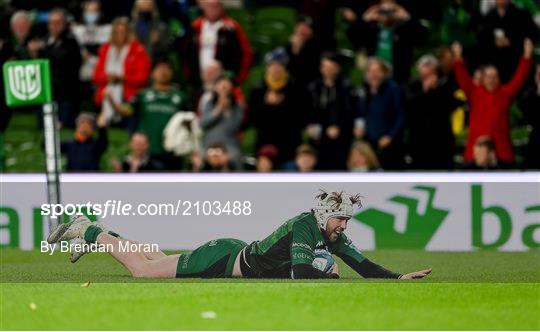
x=415, y=275
x=528, y=48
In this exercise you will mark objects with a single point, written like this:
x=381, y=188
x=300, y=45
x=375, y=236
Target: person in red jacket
x=123, y=67
x=490, y=102
x=219, y=37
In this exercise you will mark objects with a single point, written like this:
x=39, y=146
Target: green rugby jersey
x=154, y=109
x=294, y=243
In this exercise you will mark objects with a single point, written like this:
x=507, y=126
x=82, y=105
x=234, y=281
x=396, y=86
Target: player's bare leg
x=80, y=250
x=136, y=262
x=152, y=255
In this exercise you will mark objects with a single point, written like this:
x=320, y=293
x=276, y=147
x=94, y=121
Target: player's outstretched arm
x=415, y=275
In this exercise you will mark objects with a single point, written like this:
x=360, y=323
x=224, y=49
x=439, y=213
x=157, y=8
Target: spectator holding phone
x=505, y=28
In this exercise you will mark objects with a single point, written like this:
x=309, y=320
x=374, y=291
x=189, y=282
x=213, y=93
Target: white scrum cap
x=334, y=204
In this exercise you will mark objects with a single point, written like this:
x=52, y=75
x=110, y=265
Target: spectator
x=84, y=151
x=21, y=31
x=152, y=109
x=90, y=34
x=446, y=71
x=306, y=158
x=209, y=76
x=221, y=119
x=331, y=114
x=501, y=39
x=490, y=102
x=304, y=52
x=430, y=105
x=217, y=159
x=530, y=106
x=460, y=21
x=64, y=55
x=362, y=158
x=382, y=115
x=217, y=36
x=139, y=159
x=275, y=103
x=149, y=29
x=122, y=69
x=323, y=14
x=484, y=157
x=266, y=158
x=391, y=35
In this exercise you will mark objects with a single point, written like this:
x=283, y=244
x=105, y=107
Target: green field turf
x=473, y=291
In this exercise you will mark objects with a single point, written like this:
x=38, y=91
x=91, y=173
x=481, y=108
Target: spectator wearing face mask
x=91, y=33
x=149, y=29
x=490, y=102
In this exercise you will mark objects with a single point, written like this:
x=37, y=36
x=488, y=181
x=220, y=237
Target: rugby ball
x=323, y=261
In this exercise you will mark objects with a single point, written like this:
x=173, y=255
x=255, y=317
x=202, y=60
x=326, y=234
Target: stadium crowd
x=175, y=75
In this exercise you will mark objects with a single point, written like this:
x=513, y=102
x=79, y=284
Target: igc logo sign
x=27, y=82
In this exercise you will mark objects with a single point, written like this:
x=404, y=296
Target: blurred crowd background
x=260, y=85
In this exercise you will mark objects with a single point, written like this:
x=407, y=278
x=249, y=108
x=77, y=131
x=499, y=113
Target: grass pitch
x=473, y=291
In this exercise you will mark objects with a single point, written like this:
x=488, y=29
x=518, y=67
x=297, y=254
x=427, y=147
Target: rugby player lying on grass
x=287, y=252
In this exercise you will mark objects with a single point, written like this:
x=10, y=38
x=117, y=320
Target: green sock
x=91, y=233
